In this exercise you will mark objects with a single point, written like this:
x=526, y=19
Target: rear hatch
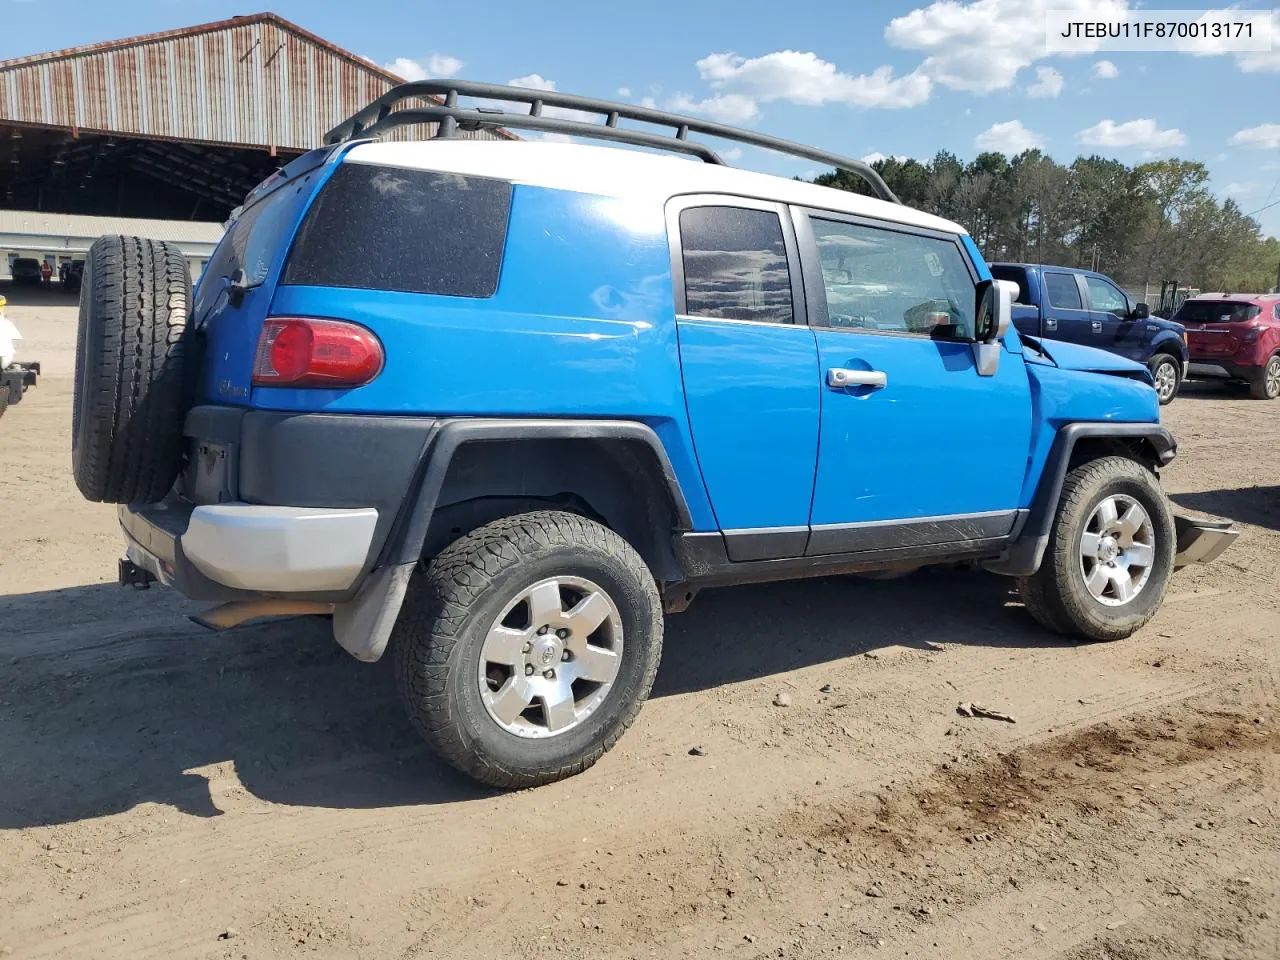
x=1216, y=328
x=234, y=292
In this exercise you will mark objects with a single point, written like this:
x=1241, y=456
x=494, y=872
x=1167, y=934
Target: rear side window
x=1018, y=276
x=411, y=231
x=1216, y=311
x=735, y=265
x=1062, y=291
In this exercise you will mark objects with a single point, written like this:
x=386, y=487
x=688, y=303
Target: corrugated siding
x=253, y=84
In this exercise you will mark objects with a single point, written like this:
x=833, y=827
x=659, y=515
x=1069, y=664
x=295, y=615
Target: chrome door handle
x=1097, y=326
x=1050, y=324
x=839, y=377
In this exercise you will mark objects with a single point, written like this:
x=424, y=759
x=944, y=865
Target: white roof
x=614, y=172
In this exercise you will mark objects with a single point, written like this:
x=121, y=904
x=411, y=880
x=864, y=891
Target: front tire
x=1110, y=553
x=1265, y=384
x=1166, y=371
x=526, y=647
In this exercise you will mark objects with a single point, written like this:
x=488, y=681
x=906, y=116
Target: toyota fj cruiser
x=496, y=406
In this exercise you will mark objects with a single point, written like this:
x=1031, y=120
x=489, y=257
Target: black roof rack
x=380, y=117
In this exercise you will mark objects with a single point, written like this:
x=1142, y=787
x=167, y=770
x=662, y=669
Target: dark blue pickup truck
x=1078, y=306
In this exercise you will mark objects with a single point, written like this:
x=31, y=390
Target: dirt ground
x=167, y=792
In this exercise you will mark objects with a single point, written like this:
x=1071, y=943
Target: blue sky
x=861, y=78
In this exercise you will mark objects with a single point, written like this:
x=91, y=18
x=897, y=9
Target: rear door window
x=1062, y=290
x=410, y=231
x=735, y=265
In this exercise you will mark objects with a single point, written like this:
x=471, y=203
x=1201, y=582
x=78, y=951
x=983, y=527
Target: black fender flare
x=405, y=542
x=1030, y=541
x=1166, y=341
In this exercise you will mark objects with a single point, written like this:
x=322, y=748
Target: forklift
x=1171, y=298
x=15, y=377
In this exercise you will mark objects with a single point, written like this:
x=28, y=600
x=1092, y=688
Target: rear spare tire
x=133, y=372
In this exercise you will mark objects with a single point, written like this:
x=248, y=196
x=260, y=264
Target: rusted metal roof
x=256, y=81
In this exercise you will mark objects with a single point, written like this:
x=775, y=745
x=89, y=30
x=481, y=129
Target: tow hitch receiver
x=132, y=575
x=1201, y=539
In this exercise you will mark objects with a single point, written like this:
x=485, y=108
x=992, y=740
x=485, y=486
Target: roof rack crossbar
x=380, y=116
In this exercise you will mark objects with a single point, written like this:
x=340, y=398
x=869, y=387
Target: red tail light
x=301, y=352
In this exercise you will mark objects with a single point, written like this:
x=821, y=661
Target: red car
x=1235, y=336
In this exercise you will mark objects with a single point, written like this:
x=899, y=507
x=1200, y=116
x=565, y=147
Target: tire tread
x=436, y=612
x=132, y=384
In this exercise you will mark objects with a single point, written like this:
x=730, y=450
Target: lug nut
x=549, y=674
x=527, y=647
x=528, y=669
x=543, y=629
x=566, y=656
x=562, y=634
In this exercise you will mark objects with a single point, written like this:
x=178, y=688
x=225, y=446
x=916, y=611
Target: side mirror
x=1140, y=311
x=992, y=319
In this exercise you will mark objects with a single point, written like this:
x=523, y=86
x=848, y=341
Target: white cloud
x=438, y=66
x=1105, y=70
x=649, y=103
x=733, y=154
x=875, y=156
x=725, y=107
x=1144, y=133
x=1235, y=189
x=1048, y=83
x=1263, y=137
x=443, y=65
x=1008, y=137
x=981, y=46
x=805, y=78
x=533, y=81
x=404, y=67
x=624, y=91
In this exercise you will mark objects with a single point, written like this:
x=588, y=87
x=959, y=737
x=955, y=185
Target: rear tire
x=1166, y=370
x=1265, y=384
x=495, y=694
x=133, y=378
x=1105, y=569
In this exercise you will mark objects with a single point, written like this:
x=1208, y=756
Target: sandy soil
x=166, y=792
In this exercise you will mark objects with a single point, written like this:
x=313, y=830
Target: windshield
x=1216, y=311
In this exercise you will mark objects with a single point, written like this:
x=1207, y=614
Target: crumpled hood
x=1071, y=356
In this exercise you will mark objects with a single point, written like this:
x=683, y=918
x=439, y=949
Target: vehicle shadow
x=1259, y=506
x=110, y=698
x=1211, y=390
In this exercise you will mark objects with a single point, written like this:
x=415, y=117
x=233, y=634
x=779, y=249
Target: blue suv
x=499, y=406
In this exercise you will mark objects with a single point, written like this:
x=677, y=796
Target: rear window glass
x=252, y=240
x=1018, y=276
x=1063, y=291
x=1215, y=311
x=411, y=231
